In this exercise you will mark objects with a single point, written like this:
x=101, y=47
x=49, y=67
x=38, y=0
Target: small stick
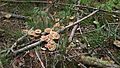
x=10, y=15
x=27, y=47
x=77, y=22
x=72, y=33
x=18, y=40
x=3, y=4
x=75, y=27
x=39, y=59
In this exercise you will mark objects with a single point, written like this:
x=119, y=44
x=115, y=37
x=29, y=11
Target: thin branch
x=3, y=4
x=18, y=40
x=77, y=22
x=39, y=59
x=11, y=15
x=72, y=33
x=75, y=27
x=28, y=47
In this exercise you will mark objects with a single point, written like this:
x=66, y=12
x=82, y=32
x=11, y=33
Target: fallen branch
x=93, y=61
x=75, y=27
x=97, y=62
x=28, y=47
x=59, y=31
x=11, y=15
x=77, y=22
x=18, y=40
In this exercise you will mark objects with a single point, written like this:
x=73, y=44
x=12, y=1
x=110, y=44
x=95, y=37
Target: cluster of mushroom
x=50, y=36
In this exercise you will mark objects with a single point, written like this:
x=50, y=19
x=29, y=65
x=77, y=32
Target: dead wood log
x=97, y=62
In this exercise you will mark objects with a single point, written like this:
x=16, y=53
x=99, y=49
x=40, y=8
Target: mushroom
x=32, y=34
x=38, y=31
x=44, y=38
x=116, y=43
x=51, y=46
x=56, y=25
x=25, y=31
x=54, y=35
x=47, y=30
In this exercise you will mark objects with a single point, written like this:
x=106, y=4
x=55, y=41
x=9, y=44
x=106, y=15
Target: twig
x=15, y=44
x=72, y=33
x=77, y=22
x=109, y=54
x=18, y=40
x=3, y=4
x=82, y=65
x=39, y=59
x=28, y=47
x=10, y=15
x=75, y=27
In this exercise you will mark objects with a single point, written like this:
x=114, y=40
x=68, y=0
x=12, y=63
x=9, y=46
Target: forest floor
x=95, y=43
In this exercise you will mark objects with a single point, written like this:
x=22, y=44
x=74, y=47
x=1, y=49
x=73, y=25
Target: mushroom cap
x=38, y=31
x=56, y=25
x=51, y=47
x=48, y=30
x=31, y=32
x=44, y=38
x=117, y=43
x=25, y=31
x=72, y=17
x=57, y=19
x=54, y=35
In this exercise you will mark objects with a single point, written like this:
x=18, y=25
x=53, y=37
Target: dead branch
x=97, y=62
x=11, y=15
x=77, y=22
x=73, y=32
x=74, y=28
x=93, y=61
x=27, y=47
